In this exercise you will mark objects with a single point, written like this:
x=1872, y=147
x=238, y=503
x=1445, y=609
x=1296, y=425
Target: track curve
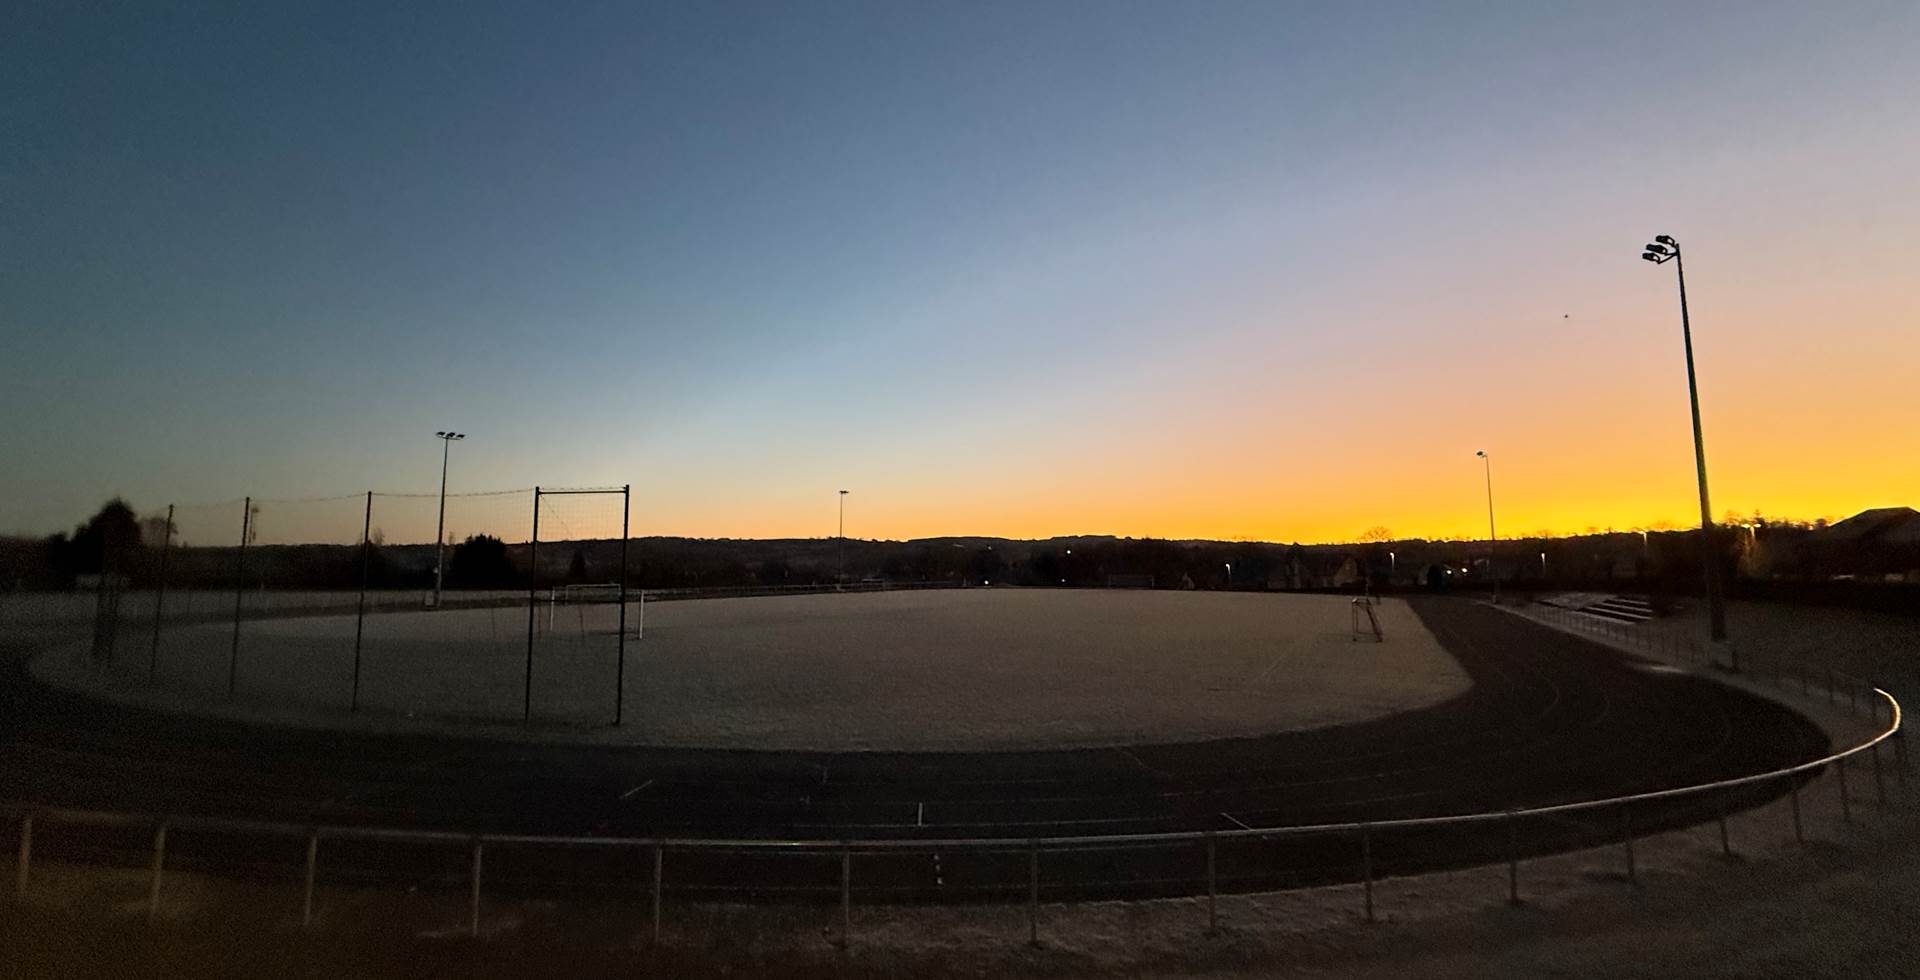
x=1550, y=718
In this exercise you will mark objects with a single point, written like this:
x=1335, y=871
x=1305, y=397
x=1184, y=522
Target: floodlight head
x=1665, y=240
x=1657, y=249
x=441, y=434
x=1650, y=257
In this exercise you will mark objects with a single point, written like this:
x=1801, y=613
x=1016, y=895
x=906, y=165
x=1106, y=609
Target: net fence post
x=533, y=604
x=620, y=671
x=360, y=613
x=239, y=594
x=160, y=596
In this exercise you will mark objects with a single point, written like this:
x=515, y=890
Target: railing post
x=313, y=861
x=846, y=897
x=1879, y=779
x=1846, y=805
x=657, y=861
x=1799, y=832
x=1513, y=858
x=1366, y=866
x=1626, y=839
x=1033, y=893
x=473, y=897
x=25, y=862
x=1213, y=888
x=159, y=863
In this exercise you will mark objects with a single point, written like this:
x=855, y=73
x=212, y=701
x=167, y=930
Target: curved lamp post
x=1660, y=251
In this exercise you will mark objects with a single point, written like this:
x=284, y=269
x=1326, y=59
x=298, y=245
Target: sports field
x=902, y=671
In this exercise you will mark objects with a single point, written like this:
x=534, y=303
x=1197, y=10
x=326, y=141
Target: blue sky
x=1005, y=268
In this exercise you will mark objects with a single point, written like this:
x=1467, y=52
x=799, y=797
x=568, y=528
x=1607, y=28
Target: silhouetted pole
x=1492, y=538
x=1663, y=249
x=440, y=529
x=840, y=549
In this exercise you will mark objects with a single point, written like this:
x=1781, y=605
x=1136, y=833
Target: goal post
x=587, y=532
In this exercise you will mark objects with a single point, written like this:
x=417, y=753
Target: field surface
x=896, y=671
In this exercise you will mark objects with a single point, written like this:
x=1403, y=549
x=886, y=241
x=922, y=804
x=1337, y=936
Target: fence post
x=360, y=614
x=620, y=672
x=1033, y=893
x=1799, y=832
x=533, y=602
x=1846, y=805
x=1366, y=867
x=1513, y=858
x=239, y=594
x=160, y=597
x=473, y=897
x=846, y=897
x=159, y=863
x=657, y=859
x=1626, y=838
x=25, y=862
x=1879, y=779
x=313, y=861
x=1213, y=888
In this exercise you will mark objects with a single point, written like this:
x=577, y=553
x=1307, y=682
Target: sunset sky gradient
x=1268, y=271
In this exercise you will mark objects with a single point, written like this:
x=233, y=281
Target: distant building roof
x=1891, y=525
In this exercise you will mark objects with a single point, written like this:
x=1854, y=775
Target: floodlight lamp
x=1666, y=240
x=1650, y=257
x=1657, y=249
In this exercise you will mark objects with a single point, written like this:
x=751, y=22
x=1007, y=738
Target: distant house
x=1880, y=544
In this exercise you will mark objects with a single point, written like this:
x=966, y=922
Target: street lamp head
x=1481, y=453
x=1666, y=240
x=1650, y=257
x=1657, y=249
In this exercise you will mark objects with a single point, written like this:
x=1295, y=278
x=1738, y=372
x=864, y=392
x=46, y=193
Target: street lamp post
x=440, y=530
x=840, y=549
x=1661, y=250
x=1492, y=538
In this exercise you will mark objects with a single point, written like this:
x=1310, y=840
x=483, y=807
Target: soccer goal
x=595, y=608
x=1366, y=625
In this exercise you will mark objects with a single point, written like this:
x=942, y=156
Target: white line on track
x=1229, y=816
x=629, y=793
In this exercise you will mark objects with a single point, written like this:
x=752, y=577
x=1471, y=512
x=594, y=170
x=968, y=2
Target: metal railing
x=659, y=849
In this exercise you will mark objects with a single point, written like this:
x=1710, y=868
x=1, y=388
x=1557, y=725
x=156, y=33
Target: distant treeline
x=1759, y=559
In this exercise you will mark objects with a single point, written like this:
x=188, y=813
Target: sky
x=1229, y=270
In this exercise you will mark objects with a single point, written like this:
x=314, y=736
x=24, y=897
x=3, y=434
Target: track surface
x=1551, y=718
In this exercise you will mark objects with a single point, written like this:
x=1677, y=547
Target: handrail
x=344, y=832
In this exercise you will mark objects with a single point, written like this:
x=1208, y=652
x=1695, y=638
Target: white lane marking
x=629, y=793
